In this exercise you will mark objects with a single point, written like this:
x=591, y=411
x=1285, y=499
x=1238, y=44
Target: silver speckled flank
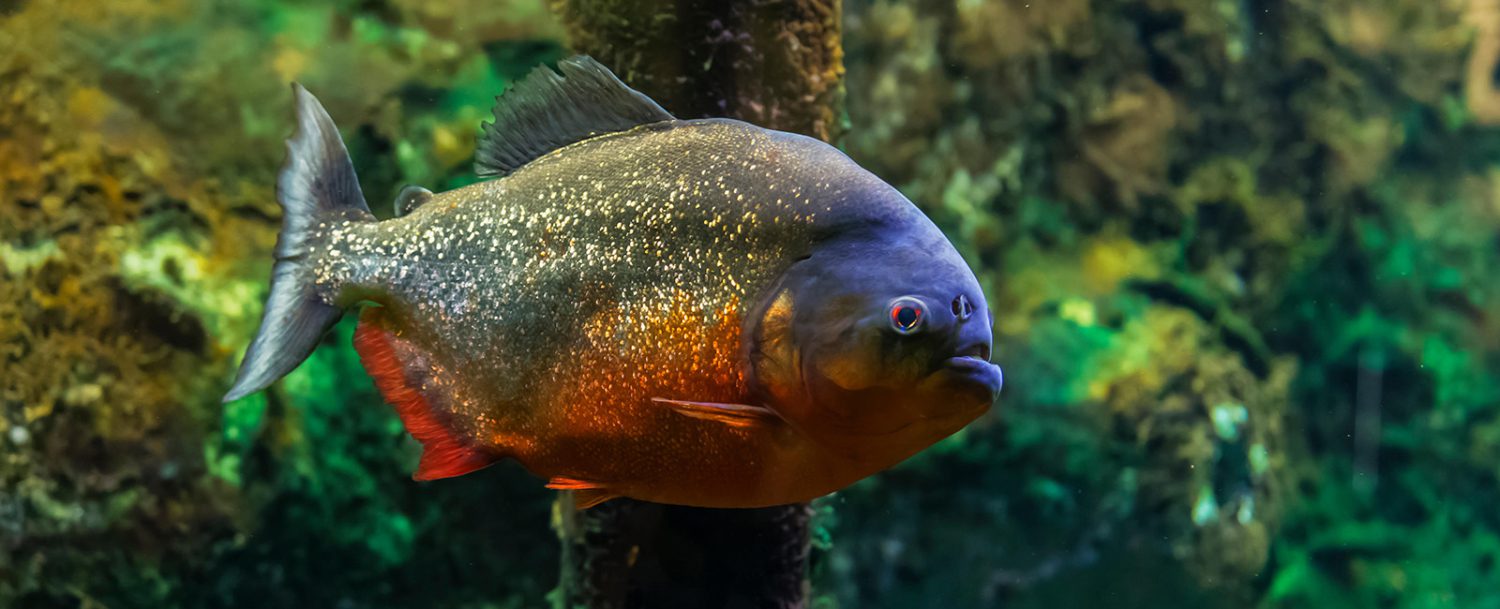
x=597, y=277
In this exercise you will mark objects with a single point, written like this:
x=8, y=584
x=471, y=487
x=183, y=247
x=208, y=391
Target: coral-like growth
x=138, y=146
x=1242, y=257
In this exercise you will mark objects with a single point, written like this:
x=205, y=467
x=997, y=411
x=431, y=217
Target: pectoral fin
x=585, y=494
x=734, y=415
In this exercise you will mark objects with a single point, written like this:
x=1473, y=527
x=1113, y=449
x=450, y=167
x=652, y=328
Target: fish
x=694, y=312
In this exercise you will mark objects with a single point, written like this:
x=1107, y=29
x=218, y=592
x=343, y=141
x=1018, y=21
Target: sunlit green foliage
x=1242, y=256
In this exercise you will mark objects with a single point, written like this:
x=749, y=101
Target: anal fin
x=734, y=415
x=585, y=494
x=399, y=369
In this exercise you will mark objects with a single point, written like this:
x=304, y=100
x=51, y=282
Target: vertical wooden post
x=634, y=554
x=777, y=64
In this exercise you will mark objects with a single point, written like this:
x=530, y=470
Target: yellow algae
x=87, y=105
x=289, y=63
x=1078, y=311
x=449, y=147
x=1109, y=259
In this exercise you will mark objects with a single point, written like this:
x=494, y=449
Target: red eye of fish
x=907, y=315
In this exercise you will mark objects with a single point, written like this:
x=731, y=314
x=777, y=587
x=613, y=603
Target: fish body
x=694, y=312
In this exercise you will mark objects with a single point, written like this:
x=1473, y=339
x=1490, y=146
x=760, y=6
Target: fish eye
x=907, y=315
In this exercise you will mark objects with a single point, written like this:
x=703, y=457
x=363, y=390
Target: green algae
x=1205, y=226
x=139, y=153
x=1296, y=219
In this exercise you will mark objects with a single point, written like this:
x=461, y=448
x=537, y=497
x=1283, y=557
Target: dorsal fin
x=410, y=198
x=546, y=111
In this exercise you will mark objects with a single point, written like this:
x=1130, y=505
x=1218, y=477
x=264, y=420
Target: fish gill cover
x=1242, y=255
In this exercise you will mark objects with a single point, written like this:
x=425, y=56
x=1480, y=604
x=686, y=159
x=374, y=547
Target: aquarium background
x=1242, y=256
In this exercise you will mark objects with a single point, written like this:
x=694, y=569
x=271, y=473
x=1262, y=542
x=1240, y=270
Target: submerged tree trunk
x=775, y=63
x=778, y=64
x=634, y=554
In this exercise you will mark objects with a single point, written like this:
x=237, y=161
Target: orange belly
x=598, y=430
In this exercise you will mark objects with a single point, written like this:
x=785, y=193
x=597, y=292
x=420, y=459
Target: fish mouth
x=975, y=350
x=972, y=368
x=973, y=359
x=973, y=375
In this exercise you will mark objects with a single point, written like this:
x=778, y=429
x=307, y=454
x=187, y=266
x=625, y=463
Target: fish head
x=879, y=345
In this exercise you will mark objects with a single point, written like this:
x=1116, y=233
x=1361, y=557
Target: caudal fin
x=317, y=185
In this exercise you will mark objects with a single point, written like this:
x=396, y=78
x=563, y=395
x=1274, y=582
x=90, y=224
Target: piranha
x=694, y=312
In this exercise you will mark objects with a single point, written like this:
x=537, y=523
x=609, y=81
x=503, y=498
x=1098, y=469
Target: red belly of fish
x=599, y=432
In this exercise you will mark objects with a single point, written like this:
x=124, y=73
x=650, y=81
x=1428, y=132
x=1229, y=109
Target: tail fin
x=317, y=185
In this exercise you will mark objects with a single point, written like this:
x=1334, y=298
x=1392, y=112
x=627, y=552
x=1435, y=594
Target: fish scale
x=674, y=243
x=602, y=311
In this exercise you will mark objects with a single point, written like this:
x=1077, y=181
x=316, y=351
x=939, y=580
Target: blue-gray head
x=878, y=343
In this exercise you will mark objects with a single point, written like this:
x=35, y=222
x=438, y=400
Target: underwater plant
x=1241, y=256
